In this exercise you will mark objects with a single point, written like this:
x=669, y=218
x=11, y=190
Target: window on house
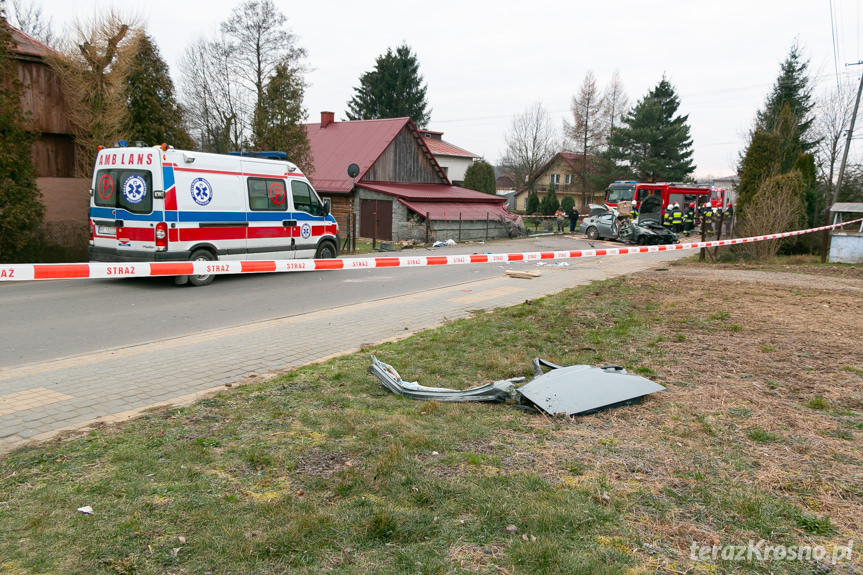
x=554, y=179
x=568, y=179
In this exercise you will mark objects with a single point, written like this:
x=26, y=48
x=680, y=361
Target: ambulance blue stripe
x=121, y=214
x=212, y=216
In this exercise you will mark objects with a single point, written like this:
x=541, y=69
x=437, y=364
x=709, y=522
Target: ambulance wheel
x=201, y=280
x=592, y=233
x=325, y=251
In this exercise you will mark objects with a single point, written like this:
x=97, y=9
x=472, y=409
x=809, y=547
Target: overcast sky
x=485, y=62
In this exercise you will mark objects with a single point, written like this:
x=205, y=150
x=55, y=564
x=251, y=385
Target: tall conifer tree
x=653, y=140
x=155, y=117
x=394, y=89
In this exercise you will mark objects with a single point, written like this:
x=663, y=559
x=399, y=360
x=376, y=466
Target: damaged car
x=600, y=224
x=647, y=229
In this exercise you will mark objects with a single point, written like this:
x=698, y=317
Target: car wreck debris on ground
x=563, y=390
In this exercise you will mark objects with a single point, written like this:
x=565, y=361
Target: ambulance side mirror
x=327, y=207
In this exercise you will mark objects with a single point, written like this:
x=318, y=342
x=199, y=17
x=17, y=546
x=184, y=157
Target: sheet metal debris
x=583, y=389
x=569, y=390
x=496, y=392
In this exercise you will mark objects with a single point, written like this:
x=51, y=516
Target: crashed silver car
x=605, y=223
x=647, y=229
x=600, y=224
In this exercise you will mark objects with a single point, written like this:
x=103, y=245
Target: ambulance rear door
x=123, y=208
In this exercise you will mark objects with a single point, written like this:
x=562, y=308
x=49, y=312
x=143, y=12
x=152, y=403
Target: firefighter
x=689, y=219
x=666, y=216
x=729, y=217
x=676, y=219
x=707, y=219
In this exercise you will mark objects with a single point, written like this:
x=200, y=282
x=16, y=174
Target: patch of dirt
x=764, y=376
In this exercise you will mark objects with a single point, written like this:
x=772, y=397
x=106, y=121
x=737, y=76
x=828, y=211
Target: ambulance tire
x=201, y=256
x=325, y=251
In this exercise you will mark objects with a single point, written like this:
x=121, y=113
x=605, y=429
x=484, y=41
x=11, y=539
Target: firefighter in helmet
x=707, y=218
x=676, y=219
x=689, y=219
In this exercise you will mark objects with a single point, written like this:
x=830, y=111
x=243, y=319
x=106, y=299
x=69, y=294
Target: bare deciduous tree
x=833, y=117
x=530, y=143
x=777, y=207
x=615, y=103
x=28, y=18
x=586, y=134
x=218, y=114
x=91, y=67
x=225, y=79
x=259, y=43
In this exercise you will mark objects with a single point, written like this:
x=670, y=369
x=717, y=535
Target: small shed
x=846, y=247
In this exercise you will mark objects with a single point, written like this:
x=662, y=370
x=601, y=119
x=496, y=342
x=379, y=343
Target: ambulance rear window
x=131, y=190
x=267, y=195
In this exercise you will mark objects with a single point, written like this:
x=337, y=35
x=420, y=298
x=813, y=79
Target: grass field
x=322, y=470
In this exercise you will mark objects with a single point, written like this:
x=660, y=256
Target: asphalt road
x=52, y=319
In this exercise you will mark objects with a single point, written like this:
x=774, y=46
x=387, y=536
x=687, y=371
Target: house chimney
x=327, y=118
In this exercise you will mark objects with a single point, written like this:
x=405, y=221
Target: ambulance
x=161, y=204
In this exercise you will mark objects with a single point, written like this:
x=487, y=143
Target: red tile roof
x=443, y=202
x=340, y=144
x=431, y=192
x=442, y=148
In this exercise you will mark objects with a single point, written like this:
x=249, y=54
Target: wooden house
x=399, y=192
x=64, y=196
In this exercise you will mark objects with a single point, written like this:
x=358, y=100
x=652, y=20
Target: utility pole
x=841, y=168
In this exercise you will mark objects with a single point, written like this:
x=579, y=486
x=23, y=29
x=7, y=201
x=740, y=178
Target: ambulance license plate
x=106, y=230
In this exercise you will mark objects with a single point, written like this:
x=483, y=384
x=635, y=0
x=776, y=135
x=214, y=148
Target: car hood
x=650, y=210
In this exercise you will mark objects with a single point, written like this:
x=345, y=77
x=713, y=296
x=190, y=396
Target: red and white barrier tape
x=102, y=270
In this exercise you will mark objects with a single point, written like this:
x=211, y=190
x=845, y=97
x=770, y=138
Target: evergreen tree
x=760, y=162
x=21, y=209
x=653, y=141
x=532, y=202
x=279, y=119
x=567, y=203
x=480, y=177
x=549, y=202
x=154, y=115
x=394, y=89
x=792, y=88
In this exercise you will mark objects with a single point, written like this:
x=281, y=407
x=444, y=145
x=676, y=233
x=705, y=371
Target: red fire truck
x=620, y=191
x=717, y=197
x=683, y=194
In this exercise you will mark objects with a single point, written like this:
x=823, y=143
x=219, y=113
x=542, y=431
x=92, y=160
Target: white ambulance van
x=162, y=204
